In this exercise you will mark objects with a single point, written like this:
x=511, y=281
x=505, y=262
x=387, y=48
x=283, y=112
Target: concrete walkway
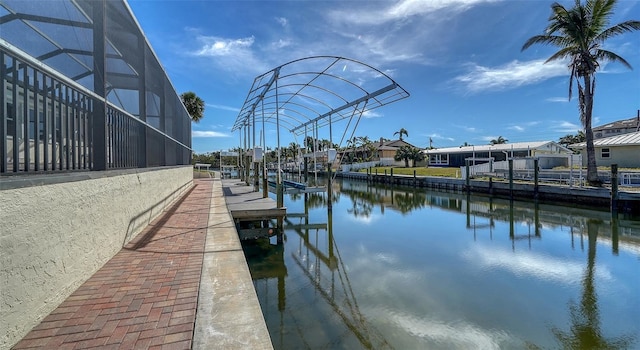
x=182, y=283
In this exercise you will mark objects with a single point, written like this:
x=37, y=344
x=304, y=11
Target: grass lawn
x=420, y=171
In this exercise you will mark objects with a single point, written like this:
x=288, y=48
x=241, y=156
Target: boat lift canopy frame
x=316, y=91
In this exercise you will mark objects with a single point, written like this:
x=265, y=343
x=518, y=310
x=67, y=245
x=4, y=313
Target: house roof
x=385, y=145
x=629, y=139
x=516, y=146
x=631, y=123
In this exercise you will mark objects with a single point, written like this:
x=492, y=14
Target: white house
x=623, y=150
x=455, y=156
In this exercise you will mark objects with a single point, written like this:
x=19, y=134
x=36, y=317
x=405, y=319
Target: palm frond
x=620, y=28
x=612, y=57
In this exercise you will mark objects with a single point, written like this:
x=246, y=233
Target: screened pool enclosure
x=83, y=90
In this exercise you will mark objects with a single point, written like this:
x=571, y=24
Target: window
x=438, y=159
x=605, y=153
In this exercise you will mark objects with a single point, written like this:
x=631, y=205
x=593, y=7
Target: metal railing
x=49, y=123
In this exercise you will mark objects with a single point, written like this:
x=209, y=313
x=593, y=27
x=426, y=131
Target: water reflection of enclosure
x=327, y=273
x=318, y=258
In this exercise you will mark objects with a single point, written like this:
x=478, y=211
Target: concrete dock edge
x=229, y=314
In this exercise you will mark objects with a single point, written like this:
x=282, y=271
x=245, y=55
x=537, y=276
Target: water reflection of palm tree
x=585, y=332
x=360, y=208
x=319, y=199
x=406, y=202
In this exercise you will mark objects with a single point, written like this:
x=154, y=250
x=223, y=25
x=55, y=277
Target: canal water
x=403, y=268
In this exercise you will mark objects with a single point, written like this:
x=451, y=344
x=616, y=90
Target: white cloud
x=197, y=133
x=371, y=114
x=488, y=138
x=234, y=55
x=533, y=265
x=280, y=44
x=565, y=126
x=510, y=75
x=283, y=21
x=523, y=127
x=458, y=335
x=440, y=137
x=223, y=107
x=558, y=99
x=404, y=9
x=215, y=46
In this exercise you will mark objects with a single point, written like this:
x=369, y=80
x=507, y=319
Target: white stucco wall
x=626, y=156
x=54, y=237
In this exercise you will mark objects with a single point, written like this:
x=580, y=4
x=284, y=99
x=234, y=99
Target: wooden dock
x=254, y=216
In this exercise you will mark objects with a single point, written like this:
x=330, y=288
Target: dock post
x=467, y=176
x=414, y=178
x=247, y=169
x=511, y=178
x=535, y=178
x=491, y=186
x=615, y=236
x=306, y=169
x=614, y=190
x=265, y=184
x=391, y=178
x=512, y=231
x=329, y=191
x=385, y=176
x=279, y=194
x=256, y=176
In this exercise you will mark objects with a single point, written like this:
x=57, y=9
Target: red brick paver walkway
x=146, y=296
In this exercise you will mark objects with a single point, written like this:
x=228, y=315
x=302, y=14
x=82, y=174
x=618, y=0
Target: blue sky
x=459, y=59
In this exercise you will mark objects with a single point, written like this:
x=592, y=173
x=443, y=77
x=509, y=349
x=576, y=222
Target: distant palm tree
x=579, y=32
x=416, y=156
x=294, y=149
x=309, y=143
x=194, y=105
x=571, y=139
x=401, y=132
x=500, y=140
x=404, y=153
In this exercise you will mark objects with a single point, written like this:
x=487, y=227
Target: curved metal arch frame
x=265, y=91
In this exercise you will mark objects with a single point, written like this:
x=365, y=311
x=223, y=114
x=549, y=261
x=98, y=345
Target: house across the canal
x=623, y=150
x=456, y=156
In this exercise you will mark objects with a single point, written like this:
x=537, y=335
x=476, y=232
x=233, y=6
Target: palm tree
x=401, y=132
x=579, y=33
x=571, y=139
x=416, y=156
x=404, y=153
x=499, y=141
x=309, y=142
x=194, y=105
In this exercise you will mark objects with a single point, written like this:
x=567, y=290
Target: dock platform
x=254, y=215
